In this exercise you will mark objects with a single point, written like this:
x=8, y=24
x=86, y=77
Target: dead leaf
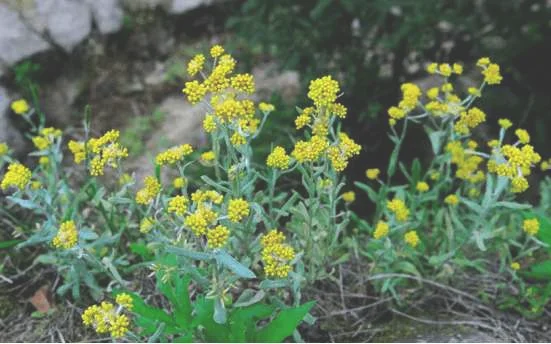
x=41, y=299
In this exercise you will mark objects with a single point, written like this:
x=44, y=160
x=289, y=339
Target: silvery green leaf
x=215, y=185
x=87, y=234
x=220, y=314
x=249, y=297
x=46, y=259
x=479, y=240
x=436, y=141
x=472, y=205
x=189, y=254
x=513, y=205
x=235, y=266
x=489, y=193
x=273, y=284
x=23, y=203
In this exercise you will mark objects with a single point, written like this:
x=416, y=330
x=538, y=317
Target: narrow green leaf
x=283, y=324
x=189, y=254
x=231, y=263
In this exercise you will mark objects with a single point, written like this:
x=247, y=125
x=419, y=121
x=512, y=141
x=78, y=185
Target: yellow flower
x=276, y=255
x=519, y=184
x=523, y=136
x=20, y=106
x=216, y=51
x=179, y=182
x=208, y=156
x=194, y=91
x=515, y=266
x=149, y=191
x=17, y=176
x=209, y=124
x=173, y=155
x=531, y=226
x=266, y=107
x=432, y=67
x=339, y=110
x=323, y=91
x=445, y=69
x=381, y=230
x=492, y=75
x=483, y=61
x=146, y=225
x=349, y=196
x=67, y=236
x=451, y=199
x=474, y=92
x=412, y=239
x=434, y=175
x=505, y=123
x=457, y=68
x=218, y=236
x=124, y=300
x=433, y=93
x=243, y=83
x=398, y=207
x=35, y=185
x=119, y=326
x=237, y=139
x=278, y=158
x=372, y=173
x=422, y=187
x=195, y=65
x=197, y=223
x=44, y=160
x=78, y=150
x=178, y=205
x=238, y=209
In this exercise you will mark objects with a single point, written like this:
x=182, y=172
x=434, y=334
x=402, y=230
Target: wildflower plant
x=460, y=210
x=245, y=245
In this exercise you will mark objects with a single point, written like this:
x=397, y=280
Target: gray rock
x=8, y=133
x=145, y=4
x=182, y=6
x=108, y=15
x=17, y=41
x=58, y=99
x=68, y=22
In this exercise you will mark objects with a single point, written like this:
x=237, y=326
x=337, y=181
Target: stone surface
x=268, y=80
x=108, y=15
x=17, y=40
x=58, y=98
x=182, y=6
x=8, y=133
x=68, y=22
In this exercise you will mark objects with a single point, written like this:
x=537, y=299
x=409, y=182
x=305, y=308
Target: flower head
x=17, y=176
x=218, y=236
x=372, y=173
x=238, y=209
x=531, y=226
x=149, y=191
x=178, y=205
x=381, y=230
x=146, y=225
x=515, y=266
x=124, y=300
x=349, y=196
x=20, y=106
x=276, y=255
x=323, y=91
x=278, y=158
x=398, y=207
x=67, y=236
x=451, y=199
x=412, y=239
x=422, y=187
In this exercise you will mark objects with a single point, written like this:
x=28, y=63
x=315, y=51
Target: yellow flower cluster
x=218, y=236
x=104, y=150
x=445, y=69
x=467, y=164
x=238, y=209
x=323, y=91
x=309, y=151
x=17, y=176
x=208, y=156
x=179, y=182
x=410, y=99
x=399, y=208
x=146, y=225
x=200, y=220
x=515, y=266
x=105, y=318
x=469, y=120
x=207, y=196
x=276, y=255
x=46, y=138
x=278, y=158
x=178, y=205
x=451, y=199
x=20, y=106
x=531, y=226
x=422, y=187
x=514, y=161
x=266, y=107
x=151, y=188
x=342, y=152
x=381, y=230
x=412, y=239
x=209, y=123
x=349, y=196
x=67, y=236
x=125, y=301
x=196, y=64
x=173, y=155
x=491, y=71
x=243, y=83
x=372, y=173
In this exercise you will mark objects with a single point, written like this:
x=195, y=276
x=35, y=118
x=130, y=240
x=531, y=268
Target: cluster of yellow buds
x=412, y=238
x=399, y=208
x=204, y=217
x=103, y=151
x=276, y=255
x=514, y=161
x=173, y=155
x=467, y=163
x=151, y=189
x=20, y=107
x=4, y=149
x=381, y=230
x=319, y=118
x=67, y=236
x=46, y=138
x=106, y=318
x=17, y=176
x=226, y=95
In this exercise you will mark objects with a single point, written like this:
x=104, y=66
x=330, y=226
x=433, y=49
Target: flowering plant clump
x=217, y=235
x=460, y=210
